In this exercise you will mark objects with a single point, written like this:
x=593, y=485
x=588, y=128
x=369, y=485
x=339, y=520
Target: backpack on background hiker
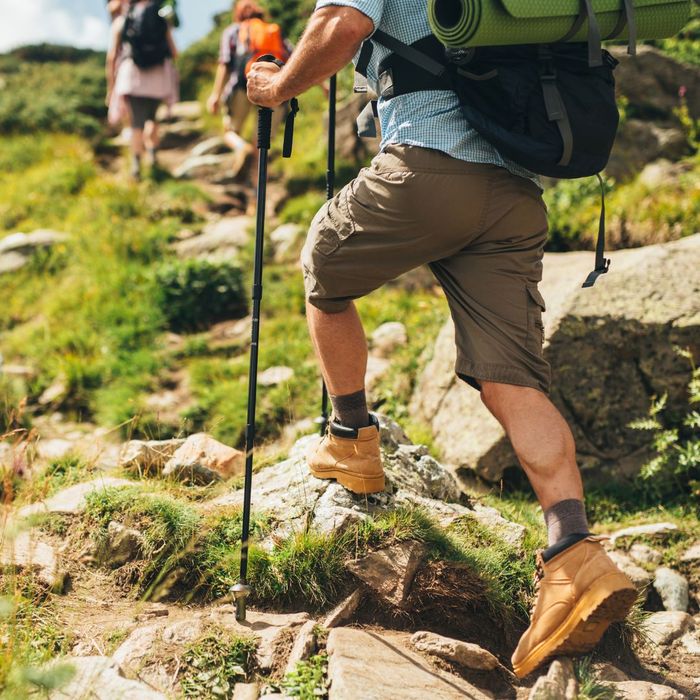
x=548, y=105
x=146, y=33
x=256, y=38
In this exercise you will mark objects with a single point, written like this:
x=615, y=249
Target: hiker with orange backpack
x=247, y=38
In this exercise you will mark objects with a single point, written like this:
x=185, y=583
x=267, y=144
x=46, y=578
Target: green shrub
x=309, y=680
x=675, y=469
x=195, y=294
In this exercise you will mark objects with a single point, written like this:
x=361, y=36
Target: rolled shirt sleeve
x=227, y=43
x=374, y=9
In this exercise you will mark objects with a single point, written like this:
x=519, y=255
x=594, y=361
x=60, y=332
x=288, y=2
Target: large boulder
x=612, y=348
x=290, y=495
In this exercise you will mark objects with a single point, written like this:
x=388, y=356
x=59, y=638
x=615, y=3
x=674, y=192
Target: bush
x=675, y=469
x=195, y=293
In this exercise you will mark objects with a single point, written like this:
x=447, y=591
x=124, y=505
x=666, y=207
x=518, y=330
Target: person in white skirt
x=141, y=75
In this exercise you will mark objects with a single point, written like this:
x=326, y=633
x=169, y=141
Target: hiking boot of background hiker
x=350, y=456
x=579, y=593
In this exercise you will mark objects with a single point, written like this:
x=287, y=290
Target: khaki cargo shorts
x=481, y=229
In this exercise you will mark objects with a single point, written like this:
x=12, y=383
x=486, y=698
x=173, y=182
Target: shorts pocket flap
x=537, y=297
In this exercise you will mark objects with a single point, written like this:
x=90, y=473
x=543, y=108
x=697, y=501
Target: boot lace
x=539, y=575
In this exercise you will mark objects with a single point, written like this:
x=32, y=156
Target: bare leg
x=341, y=347
x=151, y=135
x=137, y=142
x=541, y=438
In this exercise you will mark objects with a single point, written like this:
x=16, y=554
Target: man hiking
x=246, y=38
x=438, y=193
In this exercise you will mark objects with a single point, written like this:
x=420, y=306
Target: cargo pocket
x=336, y=225
x=535, y=325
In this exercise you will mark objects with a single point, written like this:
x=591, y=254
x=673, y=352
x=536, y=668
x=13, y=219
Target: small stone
x=229, y=233
x=344, y=611
x=559, y=683
x=27, y=243
x=286, y=241
x=640, y=690
x=273, y=376
x=25, y=553
x=202, y=460
x=641, y=578
x=147, y=457
x=54, y=393
x=692, y=554
x=11, y=262
x=123, y=545
x=152, y=613
x=71, y=501
x=390, y=572
x=54, y=449
x=377, y=367
x=605, y=672
x=662, y=628
x=213, y=145
x=673, y=589
x=388, y=337
x=99, y=676
x=691, y=643
x=659, y=530
x=461, y=653
x=304, y=645
x=246, y=691
x=643, y=554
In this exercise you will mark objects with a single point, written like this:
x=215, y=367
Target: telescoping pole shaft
x=241, y=590
x=330, y=193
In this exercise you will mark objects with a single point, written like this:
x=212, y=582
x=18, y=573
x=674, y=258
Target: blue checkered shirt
x=431, y=119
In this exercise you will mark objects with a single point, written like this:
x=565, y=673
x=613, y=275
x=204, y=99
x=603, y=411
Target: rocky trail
x=408, y=624
x=408, y=619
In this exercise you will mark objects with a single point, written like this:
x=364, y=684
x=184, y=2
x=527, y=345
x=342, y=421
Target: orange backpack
x=260, y=38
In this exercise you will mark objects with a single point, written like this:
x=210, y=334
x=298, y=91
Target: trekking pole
x=242, y=590
x=330, y=192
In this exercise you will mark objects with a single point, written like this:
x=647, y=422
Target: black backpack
x=549, y=108
x=146, y=33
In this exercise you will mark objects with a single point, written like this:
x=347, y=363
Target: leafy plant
x=309, y=680
x=214, y=664
x=589, y=688
x=195, y=294
x=675, y=469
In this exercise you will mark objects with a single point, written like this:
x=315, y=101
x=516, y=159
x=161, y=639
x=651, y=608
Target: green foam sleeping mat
x=467, y=23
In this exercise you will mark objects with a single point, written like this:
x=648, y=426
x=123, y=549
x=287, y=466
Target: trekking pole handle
x=265, y=118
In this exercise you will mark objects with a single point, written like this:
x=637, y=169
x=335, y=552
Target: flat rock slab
x=464, y=654
x=72, y=500
x=662, y=628
x=652, y=530
x=100, y=678
x=26, y=553
x=559, y=683
x=640, y=690
x=370, y=666
x=147, y=648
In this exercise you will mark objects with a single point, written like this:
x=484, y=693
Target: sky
x=84, y=23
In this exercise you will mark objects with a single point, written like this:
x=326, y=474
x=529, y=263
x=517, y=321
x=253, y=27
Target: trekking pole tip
x=240, y=593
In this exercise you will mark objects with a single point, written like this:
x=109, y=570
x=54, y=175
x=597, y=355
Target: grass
x=588, y=687
x=309, y=680
x=215, y=663
x=31, y=636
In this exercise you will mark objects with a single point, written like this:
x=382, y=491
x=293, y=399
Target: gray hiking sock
x=565, y=518
x=136, y=167
x=351, y=410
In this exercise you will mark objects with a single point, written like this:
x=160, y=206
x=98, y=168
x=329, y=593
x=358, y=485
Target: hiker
x=246, y=38
x=439, y=193
x=143, y=78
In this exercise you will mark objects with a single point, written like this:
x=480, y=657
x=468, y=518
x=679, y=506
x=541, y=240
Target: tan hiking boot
x=352, y=457
x=579, y=593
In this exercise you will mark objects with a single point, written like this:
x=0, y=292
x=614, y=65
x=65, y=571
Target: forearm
x=331, y=40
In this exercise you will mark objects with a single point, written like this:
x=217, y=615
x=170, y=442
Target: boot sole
x=357, y=484
x=605, y=602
